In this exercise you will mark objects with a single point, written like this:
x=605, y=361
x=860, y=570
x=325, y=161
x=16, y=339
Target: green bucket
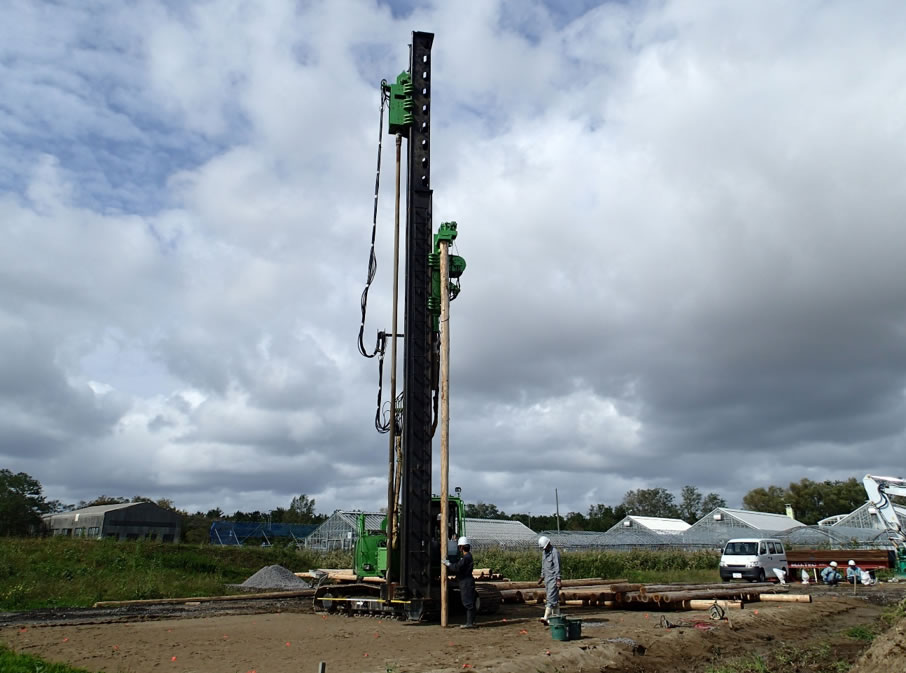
x=559, y=632
x=574, y=629
x=559, y=628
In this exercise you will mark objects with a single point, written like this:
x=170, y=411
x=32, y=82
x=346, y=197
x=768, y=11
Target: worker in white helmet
x=464, y=576
x=550, y=577
x=830, y=575
x=853, y=572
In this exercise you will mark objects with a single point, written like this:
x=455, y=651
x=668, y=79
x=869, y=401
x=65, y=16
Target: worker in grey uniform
x=550, y=577
x=466, y=579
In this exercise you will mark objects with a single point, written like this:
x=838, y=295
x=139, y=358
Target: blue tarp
x=237, y=532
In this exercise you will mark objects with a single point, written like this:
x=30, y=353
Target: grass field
x=66, y=572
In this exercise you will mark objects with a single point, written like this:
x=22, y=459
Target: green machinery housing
x=371, y=545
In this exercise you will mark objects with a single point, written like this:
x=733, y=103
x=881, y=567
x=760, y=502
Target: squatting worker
x=830, y=575
x=463, y=569
x=550, y=577
x=854, y=573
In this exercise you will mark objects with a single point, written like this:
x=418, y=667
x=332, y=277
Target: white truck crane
x=878, y=490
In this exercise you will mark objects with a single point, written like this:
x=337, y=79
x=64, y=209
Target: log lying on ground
x=703, y=604
x=340, y=576
x=730, y=594
x=654, y=596
x=348, y=575
x=300, y=593
x=512, y=596
x=589, y=595
x=657, y=588
x=786, y=598
x=588, y=582
x=539, y=595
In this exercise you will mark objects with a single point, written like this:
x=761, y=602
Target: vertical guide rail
x=415, y=508
x=391, y=491
x=444, y=419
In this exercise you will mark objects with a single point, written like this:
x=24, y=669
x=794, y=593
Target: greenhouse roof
x=760, y=520
x=836, y=536
x=657, y=523
x=861, y=518
x=502, y=530
x=372, y=519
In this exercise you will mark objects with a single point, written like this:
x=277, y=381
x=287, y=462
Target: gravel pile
x=274, y=577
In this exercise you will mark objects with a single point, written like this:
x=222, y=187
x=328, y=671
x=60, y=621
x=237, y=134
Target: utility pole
x=391, y=478
x=444, y=248
x=557, y=501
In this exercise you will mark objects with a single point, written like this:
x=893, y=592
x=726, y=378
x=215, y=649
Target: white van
x=752, y=559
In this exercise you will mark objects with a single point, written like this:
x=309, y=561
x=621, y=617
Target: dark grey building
x=126, y=521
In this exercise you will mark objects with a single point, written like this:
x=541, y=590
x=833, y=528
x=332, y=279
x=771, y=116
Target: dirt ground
x=294, y=640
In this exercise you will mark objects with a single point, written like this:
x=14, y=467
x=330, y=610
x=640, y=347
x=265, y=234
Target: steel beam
x=420, y=342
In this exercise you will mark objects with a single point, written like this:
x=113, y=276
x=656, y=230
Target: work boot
x=547, y=613
x=470, y=619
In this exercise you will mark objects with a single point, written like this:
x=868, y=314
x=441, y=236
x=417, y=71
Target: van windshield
x=741, y=549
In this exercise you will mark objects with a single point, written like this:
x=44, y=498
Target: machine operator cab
x=753, y=559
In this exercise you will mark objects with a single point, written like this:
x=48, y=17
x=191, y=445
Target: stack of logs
x=618, y=593
x=624, y=595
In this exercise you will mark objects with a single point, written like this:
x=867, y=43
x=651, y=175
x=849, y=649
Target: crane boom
x=878, y=489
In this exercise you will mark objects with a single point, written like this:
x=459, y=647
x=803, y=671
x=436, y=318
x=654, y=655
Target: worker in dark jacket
x=463, y=569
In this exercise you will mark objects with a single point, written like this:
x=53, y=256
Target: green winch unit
x=446, y=232
x=401, y=104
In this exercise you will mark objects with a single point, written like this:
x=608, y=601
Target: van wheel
x=760, y=577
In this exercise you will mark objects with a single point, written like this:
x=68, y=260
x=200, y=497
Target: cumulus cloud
x=681, y=222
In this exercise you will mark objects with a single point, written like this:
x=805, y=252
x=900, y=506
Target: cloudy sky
x=684, y=225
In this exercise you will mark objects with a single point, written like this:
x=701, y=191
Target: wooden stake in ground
x=444, y=418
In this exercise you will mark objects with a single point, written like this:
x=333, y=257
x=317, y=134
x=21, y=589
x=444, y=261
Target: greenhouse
x=723, y=524
x=835, y=537
x=867, y=516
x=575, y=540
x=654, y=524
x=243, y=532
x=340, y=531
x=501, y=533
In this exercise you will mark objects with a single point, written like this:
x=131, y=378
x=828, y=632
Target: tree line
x=22, y=503
x=690, y=507
x=811, y=501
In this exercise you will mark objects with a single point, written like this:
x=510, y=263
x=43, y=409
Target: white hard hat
x=851, y=562
x=463, y=541
x=833, y=564
x=543, y=541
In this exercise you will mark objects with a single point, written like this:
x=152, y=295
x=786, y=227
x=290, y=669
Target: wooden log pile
x=618, y=593
x=348, y=575
x=624, y=595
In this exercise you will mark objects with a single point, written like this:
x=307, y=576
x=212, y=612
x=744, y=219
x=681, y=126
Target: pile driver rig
x=398, y=567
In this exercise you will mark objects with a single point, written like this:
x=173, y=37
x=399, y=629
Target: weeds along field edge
x=66, y=572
